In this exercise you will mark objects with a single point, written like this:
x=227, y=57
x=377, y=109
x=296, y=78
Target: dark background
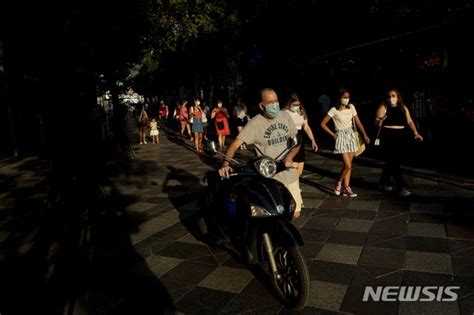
x=56, y=59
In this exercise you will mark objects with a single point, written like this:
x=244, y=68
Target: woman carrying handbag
x=345, y=118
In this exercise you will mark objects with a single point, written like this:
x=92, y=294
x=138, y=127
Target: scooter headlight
x=266, y=167
x=259, y=212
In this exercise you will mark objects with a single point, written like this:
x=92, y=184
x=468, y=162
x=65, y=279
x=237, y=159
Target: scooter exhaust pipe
x=267, y=242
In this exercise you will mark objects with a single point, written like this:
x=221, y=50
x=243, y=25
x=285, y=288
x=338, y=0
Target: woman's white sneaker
x=337, y=189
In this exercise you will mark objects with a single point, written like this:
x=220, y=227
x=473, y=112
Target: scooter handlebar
x=232, y=174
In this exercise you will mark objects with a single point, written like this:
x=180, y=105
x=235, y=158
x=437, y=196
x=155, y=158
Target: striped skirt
x=346, y=141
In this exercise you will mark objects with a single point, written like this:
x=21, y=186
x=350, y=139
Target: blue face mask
x=272, y=109
x=294, y=108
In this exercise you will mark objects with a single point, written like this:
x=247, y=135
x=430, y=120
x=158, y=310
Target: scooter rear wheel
x=293, y=284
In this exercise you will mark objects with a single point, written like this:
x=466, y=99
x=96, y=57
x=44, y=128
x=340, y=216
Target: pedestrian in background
x=221, y=115
x=163, y=112
x=154, y=133
x=241, y=118
x=142, y=124
x=295, y=109
x=197, y=117
x=184, y=120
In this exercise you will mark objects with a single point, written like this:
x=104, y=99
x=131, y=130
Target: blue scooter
x=250, y=214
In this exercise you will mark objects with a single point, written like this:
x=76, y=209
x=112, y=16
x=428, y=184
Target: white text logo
x=410, y=294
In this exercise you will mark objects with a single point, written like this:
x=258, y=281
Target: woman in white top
x=343, y=115
x=295, y=108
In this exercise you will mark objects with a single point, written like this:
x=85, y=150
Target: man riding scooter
x=269, y=132
x=249, y=212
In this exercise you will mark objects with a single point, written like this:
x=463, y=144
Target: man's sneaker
x=386, y=188
x=405, y=193
x=141, y=142
x=348, y=192
x=338, y=188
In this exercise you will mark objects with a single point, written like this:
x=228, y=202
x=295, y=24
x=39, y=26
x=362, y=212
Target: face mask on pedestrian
x=198, y=102
x=393, y=101
x=272, y=109
x=294, y=108
x=219, y=105
x=345, y=101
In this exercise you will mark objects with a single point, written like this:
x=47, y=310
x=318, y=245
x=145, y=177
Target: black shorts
x=300, y=156
x=241, y=122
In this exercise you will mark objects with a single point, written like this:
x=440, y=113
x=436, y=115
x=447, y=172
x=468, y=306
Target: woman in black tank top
x=394, y=116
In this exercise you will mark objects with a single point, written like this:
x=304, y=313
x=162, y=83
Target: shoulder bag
x=360, y=140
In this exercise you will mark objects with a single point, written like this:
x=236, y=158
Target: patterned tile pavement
x=374, y=239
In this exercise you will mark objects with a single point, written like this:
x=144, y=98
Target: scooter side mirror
x=292, y=142
x=210, y=148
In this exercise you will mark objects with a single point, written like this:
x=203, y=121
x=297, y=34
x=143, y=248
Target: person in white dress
x=154, y=133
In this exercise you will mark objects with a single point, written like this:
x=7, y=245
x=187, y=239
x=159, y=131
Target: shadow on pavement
x=430, y=175
x=329, y=190
x=183, y=189
x=71, y=252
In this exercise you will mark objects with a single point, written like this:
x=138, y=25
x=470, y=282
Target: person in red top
x=221, y=114
x=163, y=111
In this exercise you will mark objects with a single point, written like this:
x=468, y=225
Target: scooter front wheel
x=292, y=283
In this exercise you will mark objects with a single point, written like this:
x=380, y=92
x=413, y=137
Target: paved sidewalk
x=374, y=239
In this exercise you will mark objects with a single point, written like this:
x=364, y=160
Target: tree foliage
x=173, y=23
